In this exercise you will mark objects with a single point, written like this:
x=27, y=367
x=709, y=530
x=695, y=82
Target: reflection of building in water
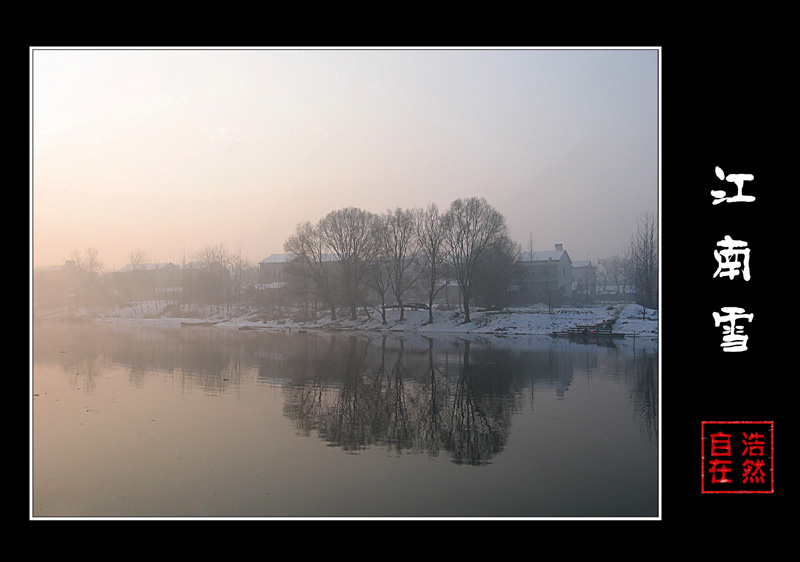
x=550, y=367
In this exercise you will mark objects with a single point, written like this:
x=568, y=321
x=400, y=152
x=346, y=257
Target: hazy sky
x=169, y=151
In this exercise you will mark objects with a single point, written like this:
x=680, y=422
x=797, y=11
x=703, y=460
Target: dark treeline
x=353, y=258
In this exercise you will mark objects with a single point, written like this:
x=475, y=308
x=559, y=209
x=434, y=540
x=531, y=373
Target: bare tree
x=380, y=273
x=603, y=274
x=350, y=233
x=616, y=268
x=311, y=265
x=431, y=237
x=643, y=261
x=137, y=281
x=89, y=270
x=87, y=260
x=211, y=254
x=399, y=242
x=137, y=258
x=472, y=227
x=238, y=267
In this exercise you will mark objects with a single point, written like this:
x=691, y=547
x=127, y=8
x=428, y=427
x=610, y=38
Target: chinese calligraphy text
x=737, y=457
x=732, y=260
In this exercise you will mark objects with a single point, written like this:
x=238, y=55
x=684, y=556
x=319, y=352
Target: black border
x=722, y=107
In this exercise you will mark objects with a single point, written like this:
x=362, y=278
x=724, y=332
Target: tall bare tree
x=311, y=266
x=472, y=226
x=87, y=260
x=643, y=261
x=431, y=237
x=603, y=274
x=238, y=266
x=136, y=283
x=89, y=270
x=350, y=233
x=400, y=243
x=617, y=270
x=380, y=273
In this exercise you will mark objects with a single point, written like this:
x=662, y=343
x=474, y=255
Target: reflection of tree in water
x=432, y=400
x=644, y=393
x=478, y=423
x=346, y=423
x=366, y=407
x=404, y=405
x=211, y=360
x=440, y=397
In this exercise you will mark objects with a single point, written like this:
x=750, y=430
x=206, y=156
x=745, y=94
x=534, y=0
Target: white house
x=546, y=275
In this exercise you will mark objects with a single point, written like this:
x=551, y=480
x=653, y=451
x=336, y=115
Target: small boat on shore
x=197, y=324
x=587, y=333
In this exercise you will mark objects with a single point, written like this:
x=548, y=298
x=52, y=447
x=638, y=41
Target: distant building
x=284, y=280
x=584, y=279
x=545, y=276
x=57, y=283
x=147, y=281
x=274, y=269
x=203, y=282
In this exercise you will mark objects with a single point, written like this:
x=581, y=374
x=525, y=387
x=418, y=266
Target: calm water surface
x=168, y=422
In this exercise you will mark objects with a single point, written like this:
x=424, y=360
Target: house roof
x=144, y=267
x=278, y=258
x=275, y=285
x=202, y=265
x=543, y=255
x=285, y=258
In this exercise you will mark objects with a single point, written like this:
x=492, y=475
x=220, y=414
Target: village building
x=147, y=281
x=273, y=270
x=203, y=282
x=284, y=281
x=57, y=283
x=584, y=280
x=545, y=276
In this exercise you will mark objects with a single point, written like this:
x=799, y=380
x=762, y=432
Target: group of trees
x=635, y=271
x=351, y=256
x=213, y=275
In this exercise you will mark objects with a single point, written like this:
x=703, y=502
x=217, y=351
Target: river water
x=141, y=421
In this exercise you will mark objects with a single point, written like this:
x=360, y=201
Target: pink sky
x=171, y=150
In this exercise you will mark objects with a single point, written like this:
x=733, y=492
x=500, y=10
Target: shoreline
x=522, y=321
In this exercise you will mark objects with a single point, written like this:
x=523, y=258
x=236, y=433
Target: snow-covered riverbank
x=631, y=320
